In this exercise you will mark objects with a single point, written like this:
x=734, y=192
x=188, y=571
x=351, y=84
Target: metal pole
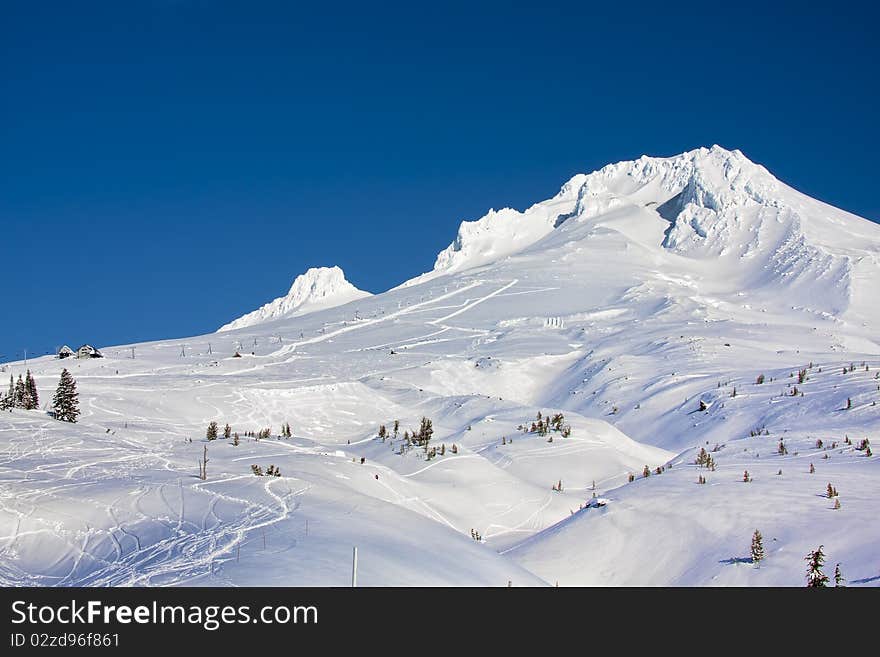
x=354, y=567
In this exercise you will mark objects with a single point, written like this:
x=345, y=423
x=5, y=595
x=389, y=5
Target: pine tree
x=66, y=400
x=815, y=577
x=426, y=430
x=211, y=433
x=838, y=577
x=757, y=547
x=20, y=393
x=32, y=399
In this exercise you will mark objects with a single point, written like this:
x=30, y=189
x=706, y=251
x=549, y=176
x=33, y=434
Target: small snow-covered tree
x=838, y=577
x=757, y=547
x=66, y=400
x=815, y=577
x=211, y=433
x=227, y=431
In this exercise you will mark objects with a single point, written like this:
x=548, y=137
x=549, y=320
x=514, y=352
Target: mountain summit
x=317, y=289
x=708, y=205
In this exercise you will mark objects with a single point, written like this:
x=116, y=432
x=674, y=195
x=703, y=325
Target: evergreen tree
x=815, y=577
x=211, y=433
x=838, y=577
x=227, y=431
x=66, y=400
x=20, y=393
x=32, y=399
x=426, y=430
x=757, y=547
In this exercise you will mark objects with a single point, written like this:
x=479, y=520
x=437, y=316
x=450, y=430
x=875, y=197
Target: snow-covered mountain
x=662, y=306
x=711, y=204
x=317, y=289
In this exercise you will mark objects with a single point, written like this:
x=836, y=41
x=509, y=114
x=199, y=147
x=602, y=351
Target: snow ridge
x=318, y=288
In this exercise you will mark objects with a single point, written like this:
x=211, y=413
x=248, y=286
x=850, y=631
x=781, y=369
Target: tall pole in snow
x=354, y=567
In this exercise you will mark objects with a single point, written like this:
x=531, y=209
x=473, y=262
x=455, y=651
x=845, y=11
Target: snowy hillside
x=651, y=309
x=319, y=288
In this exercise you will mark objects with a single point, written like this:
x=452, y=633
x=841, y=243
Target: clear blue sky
x=167, y=166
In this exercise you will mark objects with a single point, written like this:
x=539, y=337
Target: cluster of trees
x=543, y=424
x=421, y=437
x=213, y=431
x=704, y=460
x=21, y=394
x=271, y=471
x=815, y=577
x=830, y=492
x=384, y=433
x=815, y=562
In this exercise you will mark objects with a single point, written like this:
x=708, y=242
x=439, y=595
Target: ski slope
x=637, y=293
